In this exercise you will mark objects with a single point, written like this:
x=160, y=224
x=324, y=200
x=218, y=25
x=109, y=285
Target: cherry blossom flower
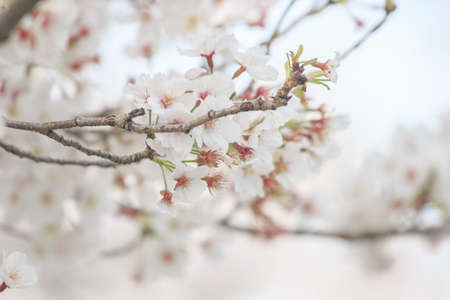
x=291, y=165
x=160, y=92
x=180, y=142
x=189, y=184
x=218, y=133
x=218, y=182
x=254, y=61
x=247, y=183
x=16, y=273
x=329, y=67
x=211, y=44
x=218, y=85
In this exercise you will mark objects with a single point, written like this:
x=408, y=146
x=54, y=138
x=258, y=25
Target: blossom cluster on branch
x=401, y=191
x=172, y=157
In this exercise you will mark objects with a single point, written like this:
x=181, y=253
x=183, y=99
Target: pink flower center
x=182, y=182
x=166, y=197
x=203, y=95
x=210, y=124
x=166, y=101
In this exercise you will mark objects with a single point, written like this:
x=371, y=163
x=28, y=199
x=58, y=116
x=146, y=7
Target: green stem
x=189, y=161
x=164, y=177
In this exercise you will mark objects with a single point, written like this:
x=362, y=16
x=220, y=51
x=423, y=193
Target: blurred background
x=396, y=78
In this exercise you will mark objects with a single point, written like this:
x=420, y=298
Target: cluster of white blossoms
x=59, y=35
x=169, y=205
x=249, y=153
x=405, y=188
x=191, y=17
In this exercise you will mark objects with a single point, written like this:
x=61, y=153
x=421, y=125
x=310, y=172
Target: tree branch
x=313, y=11
x=369, y=235
x=121, y=250
x=118, y=159
x=11, y=16
x=125, y=121
x=25, y=154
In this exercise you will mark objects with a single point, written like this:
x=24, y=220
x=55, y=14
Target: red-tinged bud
x=166, y=197
x=389, y=6
x=239, y=72
x=322, y=66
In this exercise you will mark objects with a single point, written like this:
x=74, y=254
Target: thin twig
x=12, y=15
x=366, y=36
x=313, y=11
x=276, y=30
x=25, y=154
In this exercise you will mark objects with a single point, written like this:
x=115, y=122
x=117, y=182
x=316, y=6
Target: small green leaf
x=298, y=92
x=298, y=53
x=309, y=62
x=321, y=83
